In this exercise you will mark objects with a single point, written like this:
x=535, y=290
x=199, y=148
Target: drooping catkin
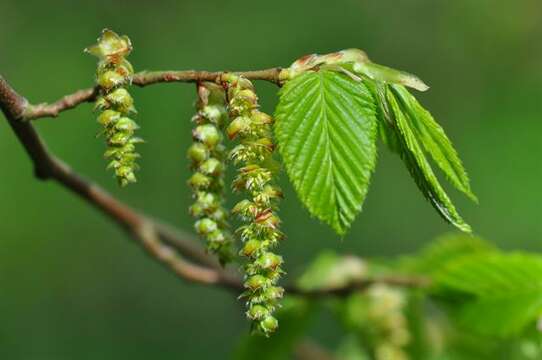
x=207, y=155
x=260, y=230
x=386, y=318
x=115, y=104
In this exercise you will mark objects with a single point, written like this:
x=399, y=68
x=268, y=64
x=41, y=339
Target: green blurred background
x=73, y=286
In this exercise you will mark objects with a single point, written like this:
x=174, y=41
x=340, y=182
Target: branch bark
x=170, y=247
x=144, y=78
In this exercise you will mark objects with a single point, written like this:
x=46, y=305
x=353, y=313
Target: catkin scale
x=259, y=232
x=113, y=75
x=207, y=155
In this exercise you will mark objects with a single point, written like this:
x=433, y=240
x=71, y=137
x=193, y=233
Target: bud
x=219, y=215
x=121, y=99
x=110, y=79
x=240, y=124
x=198, y=152
x=119, y=138
x=256, y=282
x=251, y=247
x=269, y=325
x=208, y=201
x=216, y=237
x=268, y=261
x=108, y=117
x=274, y=293
x=126, y=124
x=261, y=118
x=205, y=226
x=207, y=134
x=111, y=46
x=199, y=181
x=211, y=167
x=256, y=312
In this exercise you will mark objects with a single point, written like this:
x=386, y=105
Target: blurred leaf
x=434, y=140
x=351, y=349
x=444, y=249
x=330, y=270
x=294, y=318
x=326, y=131
x=501, y=293
x=420, y=169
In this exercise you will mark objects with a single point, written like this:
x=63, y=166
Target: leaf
x=294, y=318
x=443, y=250
x=434, y=140
x=502, y=292
x=351, y=349
x=386, y=122
x=388, y=75
x=326, y=129
x=420, y=169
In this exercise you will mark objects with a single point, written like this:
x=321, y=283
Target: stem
x=144, y=78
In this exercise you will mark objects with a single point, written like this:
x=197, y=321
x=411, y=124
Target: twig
x=144, y=78
x=161, y=241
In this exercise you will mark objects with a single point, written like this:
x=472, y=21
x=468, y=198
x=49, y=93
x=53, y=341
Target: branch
x=48, y=167
x=161, y=241
x=361, y=285
x=144, y=78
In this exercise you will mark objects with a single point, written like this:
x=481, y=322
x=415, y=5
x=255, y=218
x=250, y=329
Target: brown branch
x=144, y=78
x=161, y=241
x=141, y=227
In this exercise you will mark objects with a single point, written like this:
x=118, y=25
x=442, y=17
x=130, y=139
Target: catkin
x=260, y=230
x=207, y=155
x=115, y=104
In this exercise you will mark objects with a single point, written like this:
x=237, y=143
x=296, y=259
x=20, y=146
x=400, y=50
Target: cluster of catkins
x=207, y=155
x=385, y=314
x=260, y=230
x=113, y=75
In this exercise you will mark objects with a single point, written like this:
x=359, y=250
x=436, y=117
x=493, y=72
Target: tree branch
x=144, y=78
x=161, y=241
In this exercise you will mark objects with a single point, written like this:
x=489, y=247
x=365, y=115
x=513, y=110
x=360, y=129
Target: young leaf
x=386, y=122
x=502, y=293
x=434, y=140
x=388, y=75
x=326, y=129
x=420, y=169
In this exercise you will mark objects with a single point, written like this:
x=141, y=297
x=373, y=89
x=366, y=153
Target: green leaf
x=443, y=250
x=434, y=140
x=420, y=169
x=386, y=122
x=294, y=318
x=502, y=293
x=381, y=73
x=351, y=349
x=326, y=129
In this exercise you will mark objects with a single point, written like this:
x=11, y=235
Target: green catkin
x=207, y=155
x=259, y=233
x=116, y=106
x=386, y=318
